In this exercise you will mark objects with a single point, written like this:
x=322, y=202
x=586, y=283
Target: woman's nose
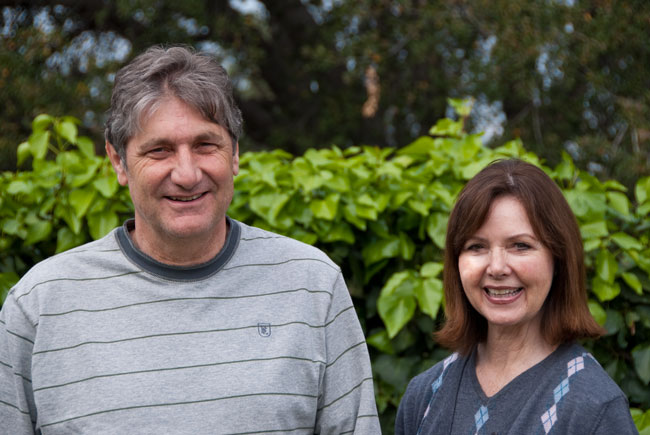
x=498, y=263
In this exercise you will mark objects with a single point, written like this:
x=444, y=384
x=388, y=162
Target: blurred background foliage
x=562, y=75
x=380, y=213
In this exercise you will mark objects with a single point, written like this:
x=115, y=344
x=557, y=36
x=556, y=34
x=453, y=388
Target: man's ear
x=118, y=164
x=235, y=160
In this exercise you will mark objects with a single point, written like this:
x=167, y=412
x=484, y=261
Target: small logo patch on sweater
x=264, y=329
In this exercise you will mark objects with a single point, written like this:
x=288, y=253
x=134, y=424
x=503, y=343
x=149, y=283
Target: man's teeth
x=185, y=198
x=503, y=293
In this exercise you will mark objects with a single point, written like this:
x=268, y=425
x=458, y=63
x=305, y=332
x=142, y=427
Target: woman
x=515, y=304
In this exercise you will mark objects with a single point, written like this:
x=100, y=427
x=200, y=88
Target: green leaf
x=396, y=303
x=586, y=205
x=429, y=296
x=340, y=232
x=604, y=290
x=406, y=245
x=38, y=142
x=594, y=230
x=463, y=107
x=422, y=145
x=23, y=152
x=642, y=190
x=326, y=208
x=437, y=228
x=641, y=358
x=11, y=226
x=86, y=146
x=80, y=200
x=641, y=420
x=20, y=186
x=431, y=269
x=566, y=169
x=381, y=341
x=41, y=122
x=67, y=130
x=69, y=216
x=626, y=241
x=106, y=185
x=633, y=281
x=380, y=249
x=447, y=127
x=619, y=202
x=38, y=231
x=101, y=223
x=66, y=239
x=591, y=244
x=597, y=312
x=7, y=281
x=606, y=266
x=268, y=205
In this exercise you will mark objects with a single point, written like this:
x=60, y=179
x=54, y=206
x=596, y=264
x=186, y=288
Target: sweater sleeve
x=346, y=402
x=615, y=418
x=17, y=410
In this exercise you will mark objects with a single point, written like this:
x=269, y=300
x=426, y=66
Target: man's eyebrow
x=205, y=136
x=208, y=135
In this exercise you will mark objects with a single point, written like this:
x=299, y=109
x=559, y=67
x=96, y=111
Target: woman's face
x=505, y=270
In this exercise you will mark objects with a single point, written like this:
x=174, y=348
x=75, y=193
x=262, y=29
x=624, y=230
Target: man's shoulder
x=264, y=242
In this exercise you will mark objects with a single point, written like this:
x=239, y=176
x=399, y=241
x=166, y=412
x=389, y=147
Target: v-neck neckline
x=534, y=371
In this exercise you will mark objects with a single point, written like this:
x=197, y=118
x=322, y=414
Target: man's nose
x=186, y=172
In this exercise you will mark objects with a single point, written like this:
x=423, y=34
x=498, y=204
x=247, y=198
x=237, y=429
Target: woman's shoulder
x=416, y=401
x=587, y=377
x=432, y=378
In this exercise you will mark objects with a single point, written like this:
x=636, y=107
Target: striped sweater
x=262, y=339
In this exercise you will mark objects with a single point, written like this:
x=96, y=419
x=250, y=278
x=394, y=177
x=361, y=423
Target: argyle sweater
x=566, y=393
x=262, y=339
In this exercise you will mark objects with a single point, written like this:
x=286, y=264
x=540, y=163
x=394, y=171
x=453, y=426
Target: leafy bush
x=380, y=214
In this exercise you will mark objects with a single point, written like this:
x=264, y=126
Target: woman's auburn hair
x=566, y=315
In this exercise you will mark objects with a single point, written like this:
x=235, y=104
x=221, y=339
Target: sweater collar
x=179, y=273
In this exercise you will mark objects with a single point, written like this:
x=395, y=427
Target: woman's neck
x=507, y=353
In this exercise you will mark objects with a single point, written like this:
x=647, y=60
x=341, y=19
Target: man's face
x=179, y=169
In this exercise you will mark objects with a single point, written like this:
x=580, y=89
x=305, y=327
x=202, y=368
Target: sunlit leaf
x=605, y=291
x=102, y=223
x=633, y=281
x=606, y=266
x=597, y=312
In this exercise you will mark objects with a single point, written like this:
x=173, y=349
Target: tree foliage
x=380, y=213
x=562, y=75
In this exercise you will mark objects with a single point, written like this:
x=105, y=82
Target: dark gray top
x=566, y=393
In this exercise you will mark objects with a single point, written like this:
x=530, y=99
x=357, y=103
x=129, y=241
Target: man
x=182, y=320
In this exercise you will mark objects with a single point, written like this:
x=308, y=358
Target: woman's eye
x=474, y=247
x=522, y=246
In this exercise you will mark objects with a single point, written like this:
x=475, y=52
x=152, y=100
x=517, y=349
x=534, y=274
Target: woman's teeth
x=503, y=293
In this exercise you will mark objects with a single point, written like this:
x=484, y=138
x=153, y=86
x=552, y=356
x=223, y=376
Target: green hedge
x=379, y=213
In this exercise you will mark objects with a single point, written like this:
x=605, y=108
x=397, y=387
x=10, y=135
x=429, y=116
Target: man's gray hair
x=193, y=77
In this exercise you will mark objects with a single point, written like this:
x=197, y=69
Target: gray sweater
x=102, y=339
x=566, y=393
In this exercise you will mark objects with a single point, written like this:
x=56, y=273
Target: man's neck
x=181, y=251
